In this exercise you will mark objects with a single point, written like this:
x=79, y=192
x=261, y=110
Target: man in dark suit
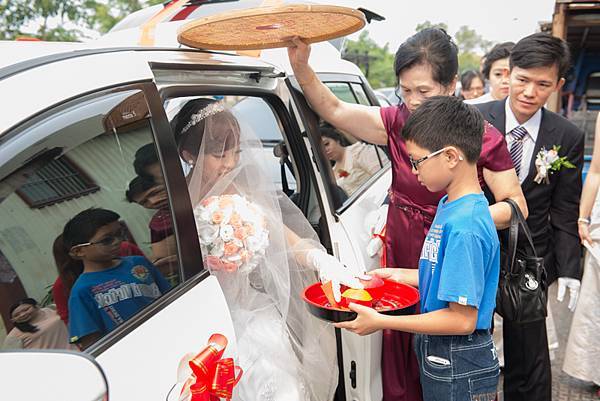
x=538, y=64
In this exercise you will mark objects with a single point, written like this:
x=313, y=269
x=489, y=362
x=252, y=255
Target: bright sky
x=495, y=20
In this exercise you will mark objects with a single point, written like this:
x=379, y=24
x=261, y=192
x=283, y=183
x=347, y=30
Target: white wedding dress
x=286, y=353
x=583, y=347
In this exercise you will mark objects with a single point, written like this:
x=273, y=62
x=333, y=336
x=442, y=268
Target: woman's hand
x=367, y=321
x=584, y=232
x=298, y=54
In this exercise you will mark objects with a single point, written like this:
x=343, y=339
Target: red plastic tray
x=398, y=299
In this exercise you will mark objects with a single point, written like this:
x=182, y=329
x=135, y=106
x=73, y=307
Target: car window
x=86, y=228
x=353, y=162
x=255, y=113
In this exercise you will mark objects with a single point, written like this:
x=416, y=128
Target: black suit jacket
x=553, y=208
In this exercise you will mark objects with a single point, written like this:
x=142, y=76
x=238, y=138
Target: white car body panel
x=144, y=364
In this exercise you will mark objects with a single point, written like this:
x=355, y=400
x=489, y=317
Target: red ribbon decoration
x=212, y=377
x=381, y=235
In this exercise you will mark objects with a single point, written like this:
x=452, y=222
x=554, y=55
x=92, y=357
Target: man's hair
x=446, y=121
x=498, y=52
x=84, y=225
x=431, y=46
x=541, y=50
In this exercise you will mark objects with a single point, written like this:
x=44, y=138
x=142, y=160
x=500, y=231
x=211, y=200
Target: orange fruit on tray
x=374, y=285
x=353, y=295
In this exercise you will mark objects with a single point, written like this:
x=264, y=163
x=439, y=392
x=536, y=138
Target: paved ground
x=564, y=387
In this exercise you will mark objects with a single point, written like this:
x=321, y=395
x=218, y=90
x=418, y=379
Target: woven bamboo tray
x=270, y=27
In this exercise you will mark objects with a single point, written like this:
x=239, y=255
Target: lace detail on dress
x=267, y=391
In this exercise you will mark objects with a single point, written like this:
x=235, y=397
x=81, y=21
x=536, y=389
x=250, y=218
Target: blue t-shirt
x=100, y=301
x=460, y=259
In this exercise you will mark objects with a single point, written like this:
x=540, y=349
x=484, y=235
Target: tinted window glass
x=86, y=230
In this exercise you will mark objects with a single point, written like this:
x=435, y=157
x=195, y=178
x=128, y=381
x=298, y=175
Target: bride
x=264, y=252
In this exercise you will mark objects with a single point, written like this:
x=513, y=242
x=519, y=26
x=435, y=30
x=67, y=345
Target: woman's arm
x=362, y=122
x=504, y=184
x=590, y=189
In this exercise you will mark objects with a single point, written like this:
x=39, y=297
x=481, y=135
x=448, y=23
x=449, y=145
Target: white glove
x=374, y=223
x=330, y=269
x=573, y=285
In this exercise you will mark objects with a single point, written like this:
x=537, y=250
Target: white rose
x=226, y=233
x=207, y=233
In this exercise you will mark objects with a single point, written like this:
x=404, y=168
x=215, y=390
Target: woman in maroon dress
x=426, y=65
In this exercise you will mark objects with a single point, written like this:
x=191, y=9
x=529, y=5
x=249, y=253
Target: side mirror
x=51, y=376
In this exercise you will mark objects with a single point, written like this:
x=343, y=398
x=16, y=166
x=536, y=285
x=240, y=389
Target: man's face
x=530, y=89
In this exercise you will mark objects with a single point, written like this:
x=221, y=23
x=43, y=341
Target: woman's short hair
x=498, y=52
x=431, y=46
x=467, y=77
x=332, y=133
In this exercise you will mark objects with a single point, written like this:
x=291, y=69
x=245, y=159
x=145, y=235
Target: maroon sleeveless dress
x=411, y=211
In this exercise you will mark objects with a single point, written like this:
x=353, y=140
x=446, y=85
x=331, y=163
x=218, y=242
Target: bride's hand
x=330, y=269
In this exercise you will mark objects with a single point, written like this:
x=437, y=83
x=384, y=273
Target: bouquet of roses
x=232, y=231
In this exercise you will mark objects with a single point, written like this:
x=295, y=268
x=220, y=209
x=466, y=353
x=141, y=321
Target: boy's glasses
x=109, y=240
x=415, y=163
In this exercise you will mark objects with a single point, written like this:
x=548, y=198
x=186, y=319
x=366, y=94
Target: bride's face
x=218, y=164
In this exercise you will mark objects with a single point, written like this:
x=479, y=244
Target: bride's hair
x=190, y=127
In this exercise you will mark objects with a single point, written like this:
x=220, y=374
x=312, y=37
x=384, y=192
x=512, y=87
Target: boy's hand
x=367, y=321
x=399, y=275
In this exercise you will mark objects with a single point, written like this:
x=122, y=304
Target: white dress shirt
x=533, y=128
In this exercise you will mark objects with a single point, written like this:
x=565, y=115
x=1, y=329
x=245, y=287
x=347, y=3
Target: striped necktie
x=516, y=147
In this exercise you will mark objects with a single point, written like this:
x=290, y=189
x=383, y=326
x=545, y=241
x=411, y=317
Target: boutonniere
x=547, y=162
x=343, y=173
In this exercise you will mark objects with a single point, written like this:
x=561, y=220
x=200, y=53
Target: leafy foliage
x=63, y=20
x=375, y=62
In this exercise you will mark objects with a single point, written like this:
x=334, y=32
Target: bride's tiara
x=208, y=111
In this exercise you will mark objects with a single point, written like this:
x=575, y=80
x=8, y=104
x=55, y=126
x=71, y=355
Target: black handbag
x=522, y=288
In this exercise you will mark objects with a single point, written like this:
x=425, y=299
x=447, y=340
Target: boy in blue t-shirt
x=460, y=259
x=111, y=289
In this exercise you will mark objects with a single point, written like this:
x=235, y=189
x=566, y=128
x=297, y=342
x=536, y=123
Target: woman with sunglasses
x=426, y=65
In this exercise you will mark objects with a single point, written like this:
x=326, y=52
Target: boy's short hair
x=541, y=50
x=446, y=121
x=84, y=225
x=137, y=186
x=498, y=52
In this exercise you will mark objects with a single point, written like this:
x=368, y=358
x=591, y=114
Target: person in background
x=36, y=328
x=68, y=271
x=583, y=347
x=111, y=288
x=426, y=65
x=495, y=69
x=547, y=152
x=471, y=85
x=354, y=164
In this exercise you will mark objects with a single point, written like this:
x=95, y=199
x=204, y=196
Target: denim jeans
x=458, y=368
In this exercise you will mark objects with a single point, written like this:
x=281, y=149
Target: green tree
x=53, y=17
x=376, y=62
x=429, y=24
x=470, y=45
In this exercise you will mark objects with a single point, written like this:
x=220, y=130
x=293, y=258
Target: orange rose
x=245, y=255
x=240, y=233
x=235, y=219
x=230, y=249
x=249, y=229
x=225, y=201
x=217, y=217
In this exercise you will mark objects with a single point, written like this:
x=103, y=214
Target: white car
x=73, y=118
